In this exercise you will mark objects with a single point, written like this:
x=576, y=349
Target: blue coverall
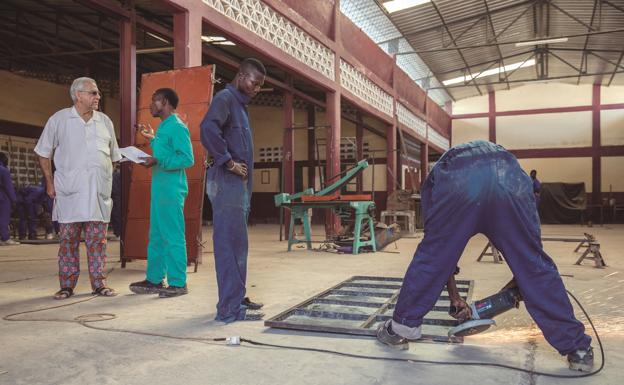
x=226, y=133
x=28, y=199
x=479, y=187
x=166, y=251
x=7, y=199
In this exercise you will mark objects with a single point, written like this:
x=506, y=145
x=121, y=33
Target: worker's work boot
x=251, y=305
x=172, y=291
x=146, y=287
x=582, y=360
x=387, y=336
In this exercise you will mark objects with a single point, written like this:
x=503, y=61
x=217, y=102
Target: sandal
x=105, y=291
x=64, y=293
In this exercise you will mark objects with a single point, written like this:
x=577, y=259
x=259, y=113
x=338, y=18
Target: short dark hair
x=533, y=172
x=170, y=95
x=4, y=159
x=252, y=64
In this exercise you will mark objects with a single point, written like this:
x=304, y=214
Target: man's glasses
x=92, y=93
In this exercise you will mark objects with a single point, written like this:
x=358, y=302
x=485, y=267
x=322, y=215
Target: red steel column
x=391, y=140
x=332, y=154
x=333, y=111
x=312, y=146
x=596, y=160
x=391, y=156
x=359, y=148
x=187, y=43
x=127, y=101
x=424, y=163
x=288, y=161
x=492, y=116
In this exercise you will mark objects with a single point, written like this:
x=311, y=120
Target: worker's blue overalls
x=7, y=199
x=226, y=133
x=479, y=187
x=28, y=199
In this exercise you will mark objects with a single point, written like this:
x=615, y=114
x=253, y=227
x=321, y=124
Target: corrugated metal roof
x=369, y=17
x=428, y=29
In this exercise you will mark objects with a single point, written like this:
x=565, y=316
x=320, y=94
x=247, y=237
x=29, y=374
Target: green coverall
x=166, y=251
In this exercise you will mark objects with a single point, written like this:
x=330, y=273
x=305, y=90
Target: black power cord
x=87, y=319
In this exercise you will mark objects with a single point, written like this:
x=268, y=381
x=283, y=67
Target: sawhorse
x=498, y=258
x=593, y=248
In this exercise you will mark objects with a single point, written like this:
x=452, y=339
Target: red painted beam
x=243, y=36
x=617, y=106
x=187, y=43
x=359, y=148
x=424, y=163
x=553, y=110
x=536, y=111
x=128, y=104
x=570, y=152
x=311, y=163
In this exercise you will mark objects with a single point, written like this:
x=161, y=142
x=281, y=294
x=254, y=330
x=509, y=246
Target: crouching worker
x=468, y=184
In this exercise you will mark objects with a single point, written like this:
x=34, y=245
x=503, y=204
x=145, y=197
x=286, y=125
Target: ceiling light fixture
x=218, y=40
x=490, y=72
x=397, y=5
x=545, y=41
x=157, y=37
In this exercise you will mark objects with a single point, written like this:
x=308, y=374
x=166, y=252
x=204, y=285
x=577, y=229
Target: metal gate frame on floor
x=384, y=304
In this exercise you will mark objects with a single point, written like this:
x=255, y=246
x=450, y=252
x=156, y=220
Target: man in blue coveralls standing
x=226, y=133
x=468, y=184
x=172, y=154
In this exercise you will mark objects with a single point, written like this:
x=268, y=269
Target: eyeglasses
x=92, y=93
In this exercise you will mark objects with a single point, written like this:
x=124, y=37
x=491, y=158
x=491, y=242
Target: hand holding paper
x=133, y=154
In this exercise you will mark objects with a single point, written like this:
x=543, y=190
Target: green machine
x=330, y=198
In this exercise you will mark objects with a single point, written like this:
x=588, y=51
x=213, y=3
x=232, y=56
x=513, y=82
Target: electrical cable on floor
x=86, y=319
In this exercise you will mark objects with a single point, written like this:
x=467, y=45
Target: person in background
x=537, y=187
x=172, y=155
x=82, y=142
x=7, y=200
x=226, y=133
x=29, y=199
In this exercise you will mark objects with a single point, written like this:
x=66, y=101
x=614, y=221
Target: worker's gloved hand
x=460, y=310
x=239, y=169
x=148, y=161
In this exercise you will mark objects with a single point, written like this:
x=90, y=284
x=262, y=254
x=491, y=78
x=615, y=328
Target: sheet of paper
x=133, y=154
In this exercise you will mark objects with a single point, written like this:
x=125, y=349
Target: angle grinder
x=485, y=309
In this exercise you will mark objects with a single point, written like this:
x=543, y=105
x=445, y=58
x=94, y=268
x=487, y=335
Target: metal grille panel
x=360, y=304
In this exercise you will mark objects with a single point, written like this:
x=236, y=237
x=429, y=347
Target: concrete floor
x=47, y=352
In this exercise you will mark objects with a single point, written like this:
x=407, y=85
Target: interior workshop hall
x=305, y=192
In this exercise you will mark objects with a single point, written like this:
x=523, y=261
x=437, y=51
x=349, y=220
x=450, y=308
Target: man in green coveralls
x=172, y=153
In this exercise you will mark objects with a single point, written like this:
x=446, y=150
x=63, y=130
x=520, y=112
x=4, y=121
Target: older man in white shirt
x=83, y=144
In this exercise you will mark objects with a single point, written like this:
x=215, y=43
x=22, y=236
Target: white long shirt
x=83, y=156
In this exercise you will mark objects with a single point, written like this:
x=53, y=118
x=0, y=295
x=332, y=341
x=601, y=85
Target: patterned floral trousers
x=69, y=253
